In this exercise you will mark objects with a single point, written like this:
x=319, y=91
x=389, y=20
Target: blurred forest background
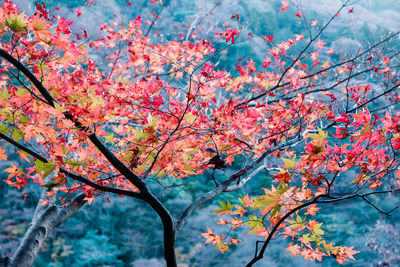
x=125, y=232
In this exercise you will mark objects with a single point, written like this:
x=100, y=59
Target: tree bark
x=45, y=219
x=3, y=259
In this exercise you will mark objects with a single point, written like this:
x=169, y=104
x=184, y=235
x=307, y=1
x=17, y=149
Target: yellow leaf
x=109, y=138
x=17, y=23
x=289, y=163
x=320, y=136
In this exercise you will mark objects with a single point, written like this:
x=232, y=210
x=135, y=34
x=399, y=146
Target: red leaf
x=78, y=12
x=267, y=62
x=235, y=16
x=268, y=38
x=230, y=34
x=285, y=5
x=63, y=26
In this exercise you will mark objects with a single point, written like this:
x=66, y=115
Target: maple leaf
x=89, y=199
x=222, y=247
x=109, y=138
x=211, y=237
x=239, y=210
x=344, y=253
x=206, y=71
x=234, y=241
x=225, y=208
x=137, y=22
x=3, y=156
x=289, y=163
x=235, y=222
x=267, y=62
x=235, y=16
x=50, y=193
x=42, y=10
x=78, y=12
x=314, y=227
x=311, y=210
x=40, y=29
x=254, y=223
x=230, y=34
x=63, y=26
x=17, y=23
x=320, y=44
x=285, y=5
x=386, y=60
x=13, y=170
x=289, y=232
x=222, y=221
x=293, y=249
x=348, y=252
x=44, y=202
x=247, y=202
x=299, y=37
x=44, y=168
x=268, y=38
x=282, y=177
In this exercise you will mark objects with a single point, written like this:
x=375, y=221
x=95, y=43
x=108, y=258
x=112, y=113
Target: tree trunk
x=39, y=230
x=45, y=219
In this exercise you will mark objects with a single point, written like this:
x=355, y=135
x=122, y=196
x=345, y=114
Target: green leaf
x=254, y=223
x=321, y=136
x=4, y=129
x=21, y=91
x=290, y=163
x=190, y=117
x=298, y=223
x=224, y=207
x=298, y=218
x=307, y=238
x=262, y=202
x=4, y=94
x=140, y=134
x=189, y=168
x=44, y=169
x=275, y=210
x=17, y=23
x=109, y=139
x=317, y=229
x=17, y=134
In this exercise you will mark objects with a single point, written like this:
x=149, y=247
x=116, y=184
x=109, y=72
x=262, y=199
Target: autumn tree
x=325, y=130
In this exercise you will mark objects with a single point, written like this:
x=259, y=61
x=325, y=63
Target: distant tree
x=327, y=130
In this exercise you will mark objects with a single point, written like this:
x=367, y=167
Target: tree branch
x=145, y=194
x=69, y=174
x=224, y=187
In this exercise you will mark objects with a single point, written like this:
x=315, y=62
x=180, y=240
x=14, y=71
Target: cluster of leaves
x=158, y=109
x=364, y=142
x=271, y=208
